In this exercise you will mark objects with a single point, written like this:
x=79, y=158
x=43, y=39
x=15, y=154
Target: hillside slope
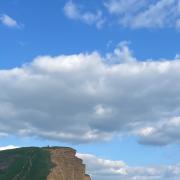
x=32, y=163
x=25, y=164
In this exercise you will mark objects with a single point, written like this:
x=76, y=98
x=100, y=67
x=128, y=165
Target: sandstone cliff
x=66, y=165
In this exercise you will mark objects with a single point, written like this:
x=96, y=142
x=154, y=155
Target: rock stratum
x=67, y=165
x=50, y=163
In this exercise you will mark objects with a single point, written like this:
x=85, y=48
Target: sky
x=99, y=76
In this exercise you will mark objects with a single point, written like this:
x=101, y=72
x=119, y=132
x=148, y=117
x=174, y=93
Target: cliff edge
x=66, y=165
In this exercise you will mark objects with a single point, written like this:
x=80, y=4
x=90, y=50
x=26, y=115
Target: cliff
x=52, y=163
x=67, y=165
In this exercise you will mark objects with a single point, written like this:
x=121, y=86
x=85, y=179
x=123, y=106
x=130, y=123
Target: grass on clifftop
x=25, y=164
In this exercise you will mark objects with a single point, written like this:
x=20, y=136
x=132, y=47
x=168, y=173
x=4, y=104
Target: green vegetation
x=25, y=164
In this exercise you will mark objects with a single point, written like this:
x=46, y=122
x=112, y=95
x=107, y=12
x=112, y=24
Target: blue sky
x=101, y=76
x=46, y=30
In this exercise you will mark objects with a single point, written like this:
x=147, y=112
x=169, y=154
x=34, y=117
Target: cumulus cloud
x=84, y=98
x=8, y=21
x=162, y=133
x=100, y=168
x=72, y=11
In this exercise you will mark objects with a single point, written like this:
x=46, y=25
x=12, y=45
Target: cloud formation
x=118, y=170
x=162, y=133
x=145, y=14
x=72, y=11
x=8, y=21
x=130, y=13
x=84, y=98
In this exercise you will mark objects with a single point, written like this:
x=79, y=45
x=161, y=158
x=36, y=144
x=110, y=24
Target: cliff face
x=66, y=165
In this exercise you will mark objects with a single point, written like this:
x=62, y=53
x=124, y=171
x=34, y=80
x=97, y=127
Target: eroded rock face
x=86, y=177
x=66, y=165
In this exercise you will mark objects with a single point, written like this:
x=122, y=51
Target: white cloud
x=101, y=111
x=162, y=133
x=129, y=13
x=8, y=147
x=86, y=97
x=72, y=11
x=123, y=7
x=161, y=14
x=118, y=170
x=8, y=21
x=145, y=14
x=121, y=53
